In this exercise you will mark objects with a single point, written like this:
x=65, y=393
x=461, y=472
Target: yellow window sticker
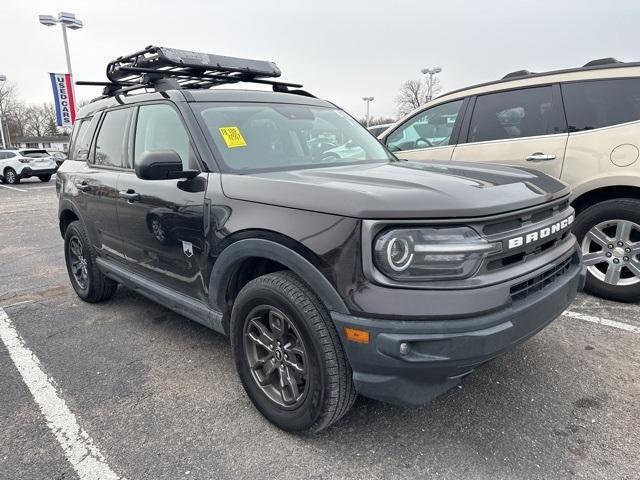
x=232, y=137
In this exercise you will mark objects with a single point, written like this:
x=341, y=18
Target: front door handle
x=82, y=186
x=540, y=157
x=130, y=195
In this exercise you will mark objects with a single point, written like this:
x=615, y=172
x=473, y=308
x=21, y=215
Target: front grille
x=525, y=218
x=522, y=290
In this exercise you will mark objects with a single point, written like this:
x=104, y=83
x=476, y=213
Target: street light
x=430, y=72
x=3, y=78
x=368, y=100
x=66, y=20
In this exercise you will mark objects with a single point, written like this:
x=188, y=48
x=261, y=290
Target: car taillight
x=24, y=160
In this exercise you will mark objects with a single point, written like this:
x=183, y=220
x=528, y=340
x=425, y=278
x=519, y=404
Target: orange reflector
x=355, y=335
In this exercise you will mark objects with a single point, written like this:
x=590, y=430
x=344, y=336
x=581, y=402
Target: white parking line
x=78, y=447
x=602, y=321
x=13, y=188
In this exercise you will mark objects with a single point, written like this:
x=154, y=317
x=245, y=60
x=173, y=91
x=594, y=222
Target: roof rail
x=162, y=69
x=518, y=73
x=601, y=61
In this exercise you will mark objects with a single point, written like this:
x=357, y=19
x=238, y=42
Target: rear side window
x=111, y=137
x=80, y=144
x=601, y=103
x=527, y=112
x=159, y=128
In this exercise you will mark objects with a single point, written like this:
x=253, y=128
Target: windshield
x=263, y=137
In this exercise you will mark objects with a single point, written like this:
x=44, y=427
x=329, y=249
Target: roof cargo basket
x=164, y=68
x=517, y=73
x=601, y=61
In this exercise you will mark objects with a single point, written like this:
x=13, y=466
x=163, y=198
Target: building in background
x=50, y=142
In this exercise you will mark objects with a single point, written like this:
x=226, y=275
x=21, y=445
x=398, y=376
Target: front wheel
x=44, y=178
x=609, y=233
x=288, y=354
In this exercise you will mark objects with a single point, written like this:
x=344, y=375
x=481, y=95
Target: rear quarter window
x=601, y=103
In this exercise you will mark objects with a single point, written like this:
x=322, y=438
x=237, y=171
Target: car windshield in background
x=262, y=137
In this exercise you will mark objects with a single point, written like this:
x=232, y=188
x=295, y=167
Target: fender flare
x=241, y=250
x=66, y=204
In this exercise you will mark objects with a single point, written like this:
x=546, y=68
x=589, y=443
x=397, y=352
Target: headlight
x=432, y=253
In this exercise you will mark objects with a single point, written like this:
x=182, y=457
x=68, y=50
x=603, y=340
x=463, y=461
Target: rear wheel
x=288, y=354
x=44, y=178
x=88, y=282
x=11, y=177
x=609, y=233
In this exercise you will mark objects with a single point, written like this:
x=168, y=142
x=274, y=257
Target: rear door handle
x=82, y=186
x=540, y=157
x=130, y=195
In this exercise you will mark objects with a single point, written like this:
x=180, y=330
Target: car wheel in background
x=11, y=177
x=44, y=178
x=288, y=354
x=88, y=282
x=609, y=233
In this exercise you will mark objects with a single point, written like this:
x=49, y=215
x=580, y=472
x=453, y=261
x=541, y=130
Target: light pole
x=66, y=20
x=4, y=144
x=430, y=72
x=368, y=100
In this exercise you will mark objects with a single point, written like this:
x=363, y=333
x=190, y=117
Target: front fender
x=234, y=254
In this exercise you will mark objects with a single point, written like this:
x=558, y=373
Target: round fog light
x=404, y=348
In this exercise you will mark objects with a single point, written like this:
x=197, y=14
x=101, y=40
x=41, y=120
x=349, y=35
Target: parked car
x=369, y=274
x=58, y=157
x=25, y=163
x=581, y=125
x=378, y=129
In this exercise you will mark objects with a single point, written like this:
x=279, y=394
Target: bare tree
x=413, y=94
x=8, y=101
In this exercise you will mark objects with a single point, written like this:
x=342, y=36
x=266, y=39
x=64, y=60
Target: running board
x=193, y=309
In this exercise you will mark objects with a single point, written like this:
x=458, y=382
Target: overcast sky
x=340, y=50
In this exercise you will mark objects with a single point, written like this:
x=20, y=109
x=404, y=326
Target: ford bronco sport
x=331, y=276
x=581, y=125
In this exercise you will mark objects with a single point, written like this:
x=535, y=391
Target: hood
x=400, y=189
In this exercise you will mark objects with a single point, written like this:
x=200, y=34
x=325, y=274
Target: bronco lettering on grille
x=541, y=233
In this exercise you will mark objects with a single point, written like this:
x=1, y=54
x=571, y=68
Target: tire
x=44, y=178
x=95, y=287
x=11, y=177
x=327, y=390
x=599, y=230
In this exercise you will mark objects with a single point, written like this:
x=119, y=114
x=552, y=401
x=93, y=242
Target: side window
x=514, y=114
x=431, y=128
x=79, y=142
x=110, y=142
x=3, y=156
x=159, y=128
x=601, y=103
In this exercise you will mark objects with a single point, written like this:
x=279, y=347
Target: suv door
x=603, y=117
x=162, y=221
x=430, y=134
x=524, y=127
x=97, y=185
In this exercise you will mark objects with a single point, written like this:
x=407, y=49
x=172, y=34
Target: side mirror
x=162, y=165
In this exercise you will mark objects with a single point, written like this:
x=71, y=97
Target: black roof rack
x=601, y=61
x=518, y=73
x=164, y=69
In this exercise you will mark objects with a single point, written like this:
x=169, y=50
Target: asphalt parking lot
x=159, y=397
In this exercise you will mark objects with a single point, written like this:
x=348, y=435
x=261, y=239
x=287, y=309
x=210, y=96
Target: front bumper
x=28, y=172
x=410, y=362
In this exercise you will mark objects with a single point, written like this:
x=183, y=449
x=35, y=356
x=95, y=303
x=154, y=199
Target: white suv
x=18, y=164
